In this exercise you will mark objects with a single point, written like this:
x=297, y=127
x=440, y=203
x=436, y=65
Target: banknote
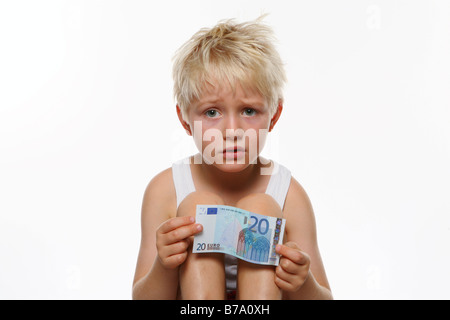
x=243, y=234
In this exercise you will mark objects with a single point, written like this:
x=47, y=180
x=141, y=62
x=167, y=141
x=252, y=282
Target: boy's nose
x=232, y=124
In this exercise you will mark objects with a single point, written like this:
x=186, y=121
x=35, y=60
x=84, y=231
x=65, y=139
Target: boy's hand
x=172, y=240
x=293, y=269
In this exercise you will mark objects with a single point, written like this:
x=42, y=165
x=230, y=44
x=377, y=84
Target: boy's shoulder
x=160, y=192
x=297, y=201
x=296, y=191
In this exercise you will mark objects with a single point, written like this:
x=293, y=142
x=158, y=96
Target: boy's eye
x=211, y=113
x=249, y=111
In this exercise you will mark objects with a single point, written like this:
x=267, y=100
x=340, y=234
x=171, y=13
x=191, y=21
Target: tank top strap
x=279, y=183
x=182, y=179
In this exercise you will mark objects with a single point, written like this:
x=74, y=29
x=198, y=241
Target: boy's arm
x=158, y=284
x=152, y=280
x=301, y=250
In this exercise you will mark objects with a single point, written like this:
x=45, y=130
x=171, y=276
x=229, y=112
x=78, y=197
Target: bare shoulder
x=298, y=211
x=297, y=199
x=160, y=195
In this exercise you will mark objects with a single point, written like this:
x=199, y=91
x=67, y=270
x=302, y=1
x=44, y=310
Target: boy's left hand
x=293, y=268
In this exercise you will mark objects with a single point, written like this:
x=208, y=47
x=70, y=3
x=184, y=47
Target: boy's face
x=229, y=128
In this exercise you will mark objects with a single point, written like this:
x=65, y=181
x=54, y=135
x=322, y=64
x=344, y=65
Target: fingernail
x=199, y=227
x=192, y=219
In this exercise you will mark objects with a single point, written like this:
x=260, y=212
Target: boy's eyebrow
x=215, y=99
x=254, y=101
x=208, y=101
x=247, y=102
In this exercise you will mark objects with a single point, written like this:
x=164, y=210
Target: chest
x=232, y=195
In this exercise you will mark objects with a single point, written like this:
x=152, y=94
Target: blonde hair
x=229, y=52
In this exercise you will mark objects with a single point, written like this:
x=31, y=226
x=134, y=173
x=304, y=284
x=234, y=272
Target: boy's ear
x=276, y=115
x=183, y=123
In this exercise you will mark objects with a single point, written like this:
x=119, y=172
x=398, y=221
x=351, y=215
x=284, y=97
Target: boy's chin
x=236, y=165
x=231, y=167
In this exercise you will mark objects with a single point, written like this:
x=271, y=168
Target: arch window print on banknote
x=243, y=234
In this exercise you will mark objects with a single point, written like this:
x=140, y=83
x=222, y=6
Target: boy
x=227, y=82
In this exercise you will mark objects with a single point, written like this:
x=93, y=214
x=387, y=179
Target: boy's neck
x=230, y=181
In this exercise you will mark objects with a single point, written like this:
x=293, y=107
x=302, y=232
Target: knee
x=260, y=203
x=188, y=205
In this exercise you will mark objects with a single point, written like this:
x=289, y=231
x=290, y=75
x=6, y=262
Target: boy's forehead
x=224, y=90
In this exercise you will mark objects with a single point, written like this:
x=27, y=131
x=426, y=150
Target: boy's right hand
x=172, y=240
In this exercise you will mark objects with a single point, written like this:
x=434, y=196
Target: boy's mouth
x=233, y=153
x=233, y=149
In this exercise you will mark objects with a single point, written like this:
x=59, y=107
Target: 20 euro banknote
x=243, y=234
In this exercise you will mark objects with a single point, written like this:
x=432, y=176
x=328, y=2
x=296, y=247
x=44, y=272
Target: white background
x=87, y=118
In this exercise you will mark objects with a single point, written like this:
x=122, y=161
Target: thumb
x=292, y=245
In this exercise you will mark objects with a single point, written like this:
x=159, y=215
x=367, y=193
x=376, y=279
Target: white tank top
x=278, y=187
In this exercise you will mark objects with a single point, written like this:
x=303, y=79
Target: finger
x=183, y=233
x=290, y=266
x=176, y=248
x=292, y=253
x=284, y=275
x=292, y=245
x=283, y=285
x=175, y=223
x=175, y=260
